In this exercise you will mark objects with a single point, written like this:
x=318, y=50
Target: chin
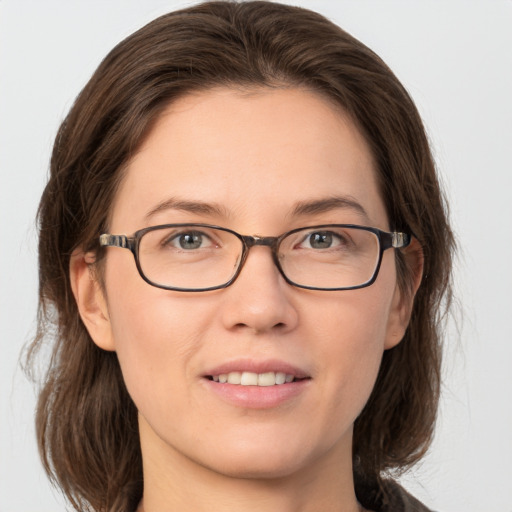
x=257, y=460
x=273, y=467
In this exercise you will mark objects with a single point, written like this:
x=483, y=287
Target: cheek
x=351, y=333
x=156, y=335
x=354, y=344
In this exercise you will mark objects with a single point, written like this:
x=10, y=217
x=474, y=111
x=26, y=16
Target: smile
x=254, y=379
x=253, y=384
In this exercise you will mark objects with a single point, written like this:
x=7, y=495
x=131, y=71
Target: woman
x=273, y=337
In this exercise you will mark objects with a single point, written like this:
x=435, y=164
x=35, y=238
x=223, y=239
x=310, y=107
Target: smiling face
x=260, y=163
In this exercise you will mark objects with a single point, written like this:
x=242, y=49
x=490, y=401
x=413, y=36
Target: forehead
x=255, y=154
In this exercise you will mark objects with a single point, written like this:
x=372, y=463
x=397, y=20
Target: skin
x=255, y=154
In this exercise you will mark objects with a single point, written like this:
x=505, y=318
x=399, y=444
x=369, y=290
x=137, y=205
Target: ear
x=90, y=299
x=403, y=300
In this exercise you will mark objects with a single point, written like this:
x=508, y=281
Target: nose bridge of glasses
x=269, y=241
x=250, y=241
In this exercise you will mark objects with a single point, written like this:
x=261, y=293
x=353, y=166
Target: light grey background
x=454, y=57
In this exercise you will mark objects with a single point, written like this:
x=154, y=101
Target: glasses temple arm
x=400, y=240
x=123, y=241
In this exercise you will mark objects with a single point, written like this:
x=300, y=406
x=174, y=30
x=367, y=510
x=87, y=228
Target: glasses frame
x=387, y=240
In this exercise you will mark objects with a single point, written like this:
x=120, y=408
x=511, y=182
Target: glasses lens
x=330, y=257
x=189, y=257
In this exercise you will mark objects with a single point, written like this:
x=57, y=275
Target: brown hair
x=86, y=421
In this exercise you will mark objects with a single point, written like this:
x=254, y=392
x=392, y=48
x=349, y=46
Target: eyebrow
x=199, y=207
x=301, y=208
x=327, y=204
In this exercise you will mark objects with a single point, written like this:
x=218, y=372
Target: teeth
x=266, y=379
x=254, y=379
x=249, y=379
x=281, y=378
x=234, y=377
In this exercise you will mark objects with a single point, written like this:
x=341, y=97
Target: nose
x=260, y=299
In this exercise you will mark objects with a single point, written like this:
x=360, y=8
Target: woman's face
x=260, y=162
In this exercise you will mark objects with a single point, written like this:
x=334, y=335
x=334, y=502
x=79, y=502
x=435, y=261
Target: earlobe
x=90, y=299
x=403, y=300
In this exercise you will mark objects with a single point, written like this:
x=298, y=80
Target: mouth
x=257, y=384
x=246, y=378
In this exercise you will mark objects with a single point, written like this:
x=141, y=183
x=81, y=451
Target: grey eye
x=188, y=241
x=320, y=240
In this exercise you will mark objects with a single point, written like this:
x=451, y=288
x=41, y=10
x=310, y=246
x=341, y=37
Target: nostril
x=280, y=326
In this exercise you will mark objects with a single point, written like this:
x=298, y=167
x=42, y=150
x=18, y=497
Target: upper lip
x=254, y=366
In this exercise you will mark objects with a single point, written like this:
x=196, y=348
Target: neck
x=173, y=482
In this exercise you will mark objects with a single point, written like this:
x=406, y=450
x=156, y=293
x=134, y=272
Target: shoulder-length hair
x=86, y=421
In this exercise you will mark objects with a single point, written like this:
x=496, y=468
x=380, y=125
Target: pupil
x=190, y=241
x=321, y=240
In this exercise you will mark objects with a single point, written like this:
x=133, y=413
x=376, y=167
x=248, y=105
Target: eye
x=322, y=240
x=189, y=241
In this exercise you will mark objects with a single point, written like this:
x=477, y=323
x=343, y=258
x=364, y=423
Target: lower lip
x=257, y=397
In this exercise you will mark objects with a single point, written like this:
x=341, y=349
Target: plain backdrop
x=454, y=57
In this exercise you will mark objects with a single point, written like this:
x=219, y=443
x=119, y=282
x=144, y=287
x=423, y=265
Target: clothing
x=396, y=499
x=404, y=502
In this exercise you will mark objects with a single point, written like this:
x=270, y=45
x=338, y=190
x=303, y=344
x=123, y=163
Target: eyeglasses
x=201, y=257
